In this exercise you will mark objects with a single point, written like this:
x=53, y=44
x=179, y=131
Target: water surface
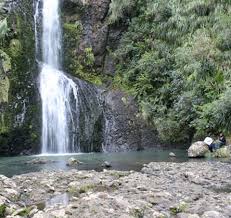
x=10, y=166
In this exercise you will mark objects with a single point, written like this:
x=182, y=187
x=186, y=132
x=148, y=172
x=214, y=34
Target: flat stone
x=212, y=214
x=59, y=213
x=187, y=215
x=41, y=214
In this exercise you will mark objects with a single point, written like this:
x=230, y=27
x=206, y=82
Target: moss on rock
x=79, y=64
x=223, y=152
x=4, y=88
x=5, y=62
x=5, y=67
x=20, y=112
x=15, y=48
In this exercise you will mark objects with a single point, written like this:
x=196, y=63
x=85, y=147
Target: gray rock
x=157, y=214
x=9, y=210
x=41, y=214
x=72, y=162
x=212, y=214
x=106, y=164
x=181, y=190
x=171, y=154
x=11, y=193
x=33, y=212
x=39, y=161
x=187, y=215
x=124, y=129
x=17, y=212
x=3, y=200
x=60, y=213
x=198, y=149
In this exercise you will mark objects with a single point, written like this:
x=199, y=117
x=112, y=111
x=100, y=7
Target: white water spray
x=56, y=89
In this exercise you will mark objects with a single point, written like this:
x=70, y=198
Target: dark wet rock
x=26, y=152
x=124, y=129
x=107, y=164
x=198, y=149
x=97, y=33
x=109, y=121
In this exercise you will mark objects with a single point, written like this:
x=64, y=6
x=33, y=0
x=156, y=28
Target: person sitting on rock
x=218, y=143
x=222, y=139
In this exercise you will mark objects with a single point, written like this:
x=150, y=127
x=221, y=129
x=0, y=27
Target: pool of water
x=10, y=166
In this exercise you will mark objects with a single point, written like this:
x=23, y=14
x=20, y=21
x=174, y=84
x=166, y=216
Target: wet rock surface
x=159, y=190
x=124, y=129
x=72, y=162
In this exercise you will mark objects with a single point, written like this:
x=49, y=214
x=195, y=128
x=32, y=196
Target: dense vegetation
x=175, y=59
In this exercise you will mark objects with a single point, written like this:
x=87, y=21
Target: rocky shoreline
x=183, y=190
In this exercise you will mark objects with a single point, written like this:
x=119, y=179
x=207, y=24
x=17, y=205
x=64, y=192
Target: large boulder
x=198, y=149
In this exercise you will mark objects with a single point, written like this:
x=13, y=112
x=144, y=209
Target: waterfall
x=58, y=92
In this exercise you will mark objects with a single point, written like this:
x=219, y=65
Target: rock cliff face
x=124, y=128
x=109, y=118
x=95, y=38
x=19, y=126
x=109, y=121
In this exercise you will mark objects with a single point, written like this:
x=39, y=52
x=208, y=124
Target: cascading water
x=58, y=92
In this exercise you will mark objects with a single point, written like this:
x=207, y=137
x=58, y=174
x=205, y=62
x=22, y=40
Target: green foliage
x=2, y=210
x=3, y=28
x=5, y=66
x=215, y=116
x=175, y=59
x=80, y=190
x=15, y=48
x=118, y=8
x=179, y=208
x=24, y=212
x=5, y=63
x=79, y=63
x=89, y=57
x=137, y=212
x=4, y=89
x=222, y=153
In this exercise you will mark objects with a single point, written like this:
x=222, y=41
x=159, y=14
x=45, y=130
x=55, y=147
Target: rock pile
x=193, y=189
